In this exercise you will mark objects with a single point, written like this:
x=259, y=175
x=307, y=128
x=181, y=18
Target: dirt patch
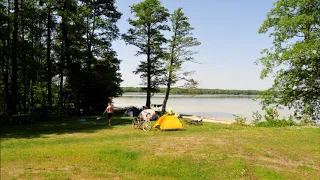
x=183, y=145
x=277, y=162
x=67, y=168
x=111, y=176
x=14, y=172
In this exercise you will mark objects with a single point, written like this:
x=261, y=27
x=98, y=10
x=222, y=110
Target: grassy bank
x=67, y=148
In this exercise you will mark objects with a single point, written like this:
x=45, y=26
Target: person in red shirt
x=109, y=110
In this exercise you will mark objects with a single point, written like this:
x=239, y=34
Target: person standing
x=109, y=110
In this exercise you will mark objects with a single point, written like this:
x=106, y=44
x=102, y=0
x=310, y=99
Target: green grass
x=68, y=149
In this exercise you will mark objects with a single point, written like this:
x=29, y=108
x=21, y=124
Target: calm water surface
x=217, y=106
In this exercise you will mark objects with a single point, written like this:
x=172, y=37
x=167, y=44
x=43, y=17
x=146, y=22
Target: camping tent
x=132, y=111
x=148, y=114
x=168, y=122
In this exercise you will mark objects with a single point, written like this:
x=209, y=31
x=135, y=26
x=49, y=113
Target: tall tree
x=5, y=27
x=179, y=52
x=72, y=32
x=14, y=64
x=296, y=52
x=48, y=9
x=146, y=34
x=100, y=18
x=24, y=54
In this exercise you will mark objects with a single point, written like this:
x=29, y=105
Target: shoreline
x=208, y=119
x=194, y=117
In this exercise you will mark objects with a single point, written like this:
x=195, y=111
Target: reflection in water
x=217, y=106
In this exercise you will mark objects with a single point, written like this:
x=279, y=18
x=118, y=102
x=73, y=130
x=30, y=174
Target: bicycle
x=138, y=123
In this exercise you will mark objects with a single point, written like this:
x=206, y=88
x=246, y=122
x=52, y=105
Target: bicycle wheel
x=147, y=125
x=134, y=123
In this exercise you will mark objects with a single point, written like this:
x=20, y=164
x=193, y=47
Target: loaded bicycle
x=139, y=123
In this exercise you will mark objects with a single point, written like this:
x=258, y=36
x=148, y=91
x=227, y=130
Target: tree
x=49, y=9
x=147, y=35
x=179, y=45
x=45, y=44
x=100, y=18
x=294, y=58
x=14, y=63
x=5, y=27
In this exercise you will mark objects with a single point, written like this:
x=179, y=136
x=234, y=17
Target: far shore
x=143, y=93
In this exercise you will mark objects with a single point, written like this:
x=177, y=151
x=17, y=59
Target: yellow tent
x=168, y=122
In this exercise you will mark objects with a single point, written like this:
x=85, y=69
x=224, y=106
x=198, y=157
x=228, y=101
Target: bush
x=240, y=120
x=271, y=114
x=277, y=123
x=271, y=119
x=256, y=117
x=307, y=121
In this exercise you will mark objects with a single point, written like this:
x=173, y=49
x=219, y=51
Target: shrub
x=256, y=117
x=277, y=123
x=307, y=121
x=271, y=119
x=240, y=120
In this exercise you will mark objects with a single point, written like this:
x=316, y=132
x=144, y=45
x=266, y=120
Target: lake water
x=217, y=106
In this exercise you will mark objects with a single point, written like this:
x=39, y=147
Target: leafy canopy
x=294, y=26
x=147, y=34
x=179, y=47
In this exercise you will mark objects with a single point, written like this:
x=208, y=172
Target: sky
x=230, y=43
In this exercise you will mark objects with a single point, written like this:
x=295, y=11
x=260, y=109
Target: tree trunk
x=170, y=73
x=24, y=103
x=4, y=70
x=61, y=79
x=49, y=64
x=5, y=66
x=149, y=70
x=164, y=105
x=89, y=40
x=70, y=65
x=14, y=75
x=32, y=95
x=32, y=74
x=148, y=80
x=169, y=83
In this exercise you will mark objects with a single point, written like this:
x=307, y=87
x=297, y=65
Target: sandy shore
x=208, y=119
x=204, y=118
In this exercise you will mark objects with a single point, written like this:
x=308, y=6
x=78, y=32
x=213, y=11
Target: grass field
x=68, y=149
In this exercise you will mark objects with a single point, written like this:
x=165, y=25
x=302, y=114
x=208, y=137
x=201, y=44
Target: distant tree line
x=196, y=91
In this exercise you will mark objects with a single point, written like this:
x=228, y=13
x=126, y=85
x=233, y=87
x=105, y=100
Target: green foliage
x=240, y=120
x=179, y=52
x=271, y=114
x=277, y=123
x=179, y=45
x=294, y=26
x=256, y=117
x=306, y=120
x=271, y=119
x=74, y=62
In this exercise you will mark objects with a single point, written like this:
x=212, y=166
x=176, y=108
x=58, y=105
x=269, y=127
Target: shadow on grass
x=59, y=125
